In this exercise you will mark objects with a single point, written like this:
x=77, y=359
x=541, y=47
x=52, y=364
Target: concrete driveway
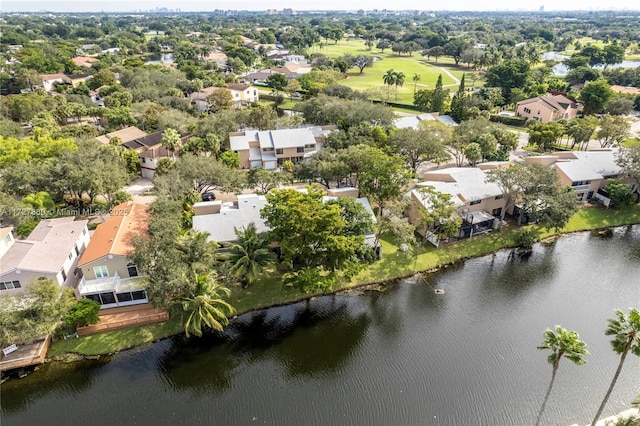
x=139, y=191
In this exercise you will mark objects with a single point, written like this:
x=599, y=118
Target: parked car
x=208, y=196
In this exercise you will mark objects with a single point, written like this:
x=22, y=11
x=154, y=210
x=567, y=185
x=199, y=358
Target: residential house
x=150, y=151
x=549, y=108
x=220, y=219
x=479, y=203
x=49, y=80
x=128, y=134
x=77, y=79
x=220, y=58
x=50, y=251
x=271, y=148
x=258, y=77
x=242, y=94
x=626, y=90
x=587, y=172
x=108, y=276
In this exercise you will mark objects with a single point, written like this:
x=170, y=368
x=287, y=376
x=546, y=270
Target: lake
x=404, y=355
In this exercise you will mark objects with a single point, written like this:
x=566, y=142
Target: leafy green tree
x=440, y=98
x=613, y=54
x=561, y=343
x=595, y=96
x=83, y=313
x=250, y=255
x=38, y=147
x=417, y=146
x=508, y=180
x=389, y=78
x=580, y=130
x=619, y=106
x=625, y=330
x=629, y=160
x=473, y=152
x=311, y=235
x=119, y=117
x=439, y=215
x=455, y=47
x=613, y=129
x=219, y=99
x=277, y=81
x=422, y=99
x=230, y=159
x=619, y=193
x=382, y=177
x=510, y=74
x=265, y=180
x=39, y=201
x=362, y=62
x=205, y=306
x=357, y=219
x=545, y=135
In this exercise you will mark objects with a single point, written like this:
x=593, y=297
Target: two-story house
x=150, y=150
x=51, y=251
x=271, y=148
x=108, y=276
x=549, y=108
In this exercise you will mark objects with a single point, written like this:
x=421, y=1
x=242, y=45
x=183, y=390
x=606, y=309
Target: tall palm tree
x=625, y=330
x=416, y=79
x=562, y=343
x=250, y=255
x=205, y=306
x=389, y=78
x=171, y=141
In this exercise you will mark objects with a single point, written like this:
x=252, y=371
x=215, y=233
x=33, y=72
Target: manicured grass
x=394, y=264
x=117, y=340
x=630, y=142
x=371, y=78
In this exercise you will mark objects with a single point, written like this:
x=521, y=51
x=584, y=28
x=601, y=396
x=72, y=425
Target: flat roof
x=589, y=165
x=468, y=184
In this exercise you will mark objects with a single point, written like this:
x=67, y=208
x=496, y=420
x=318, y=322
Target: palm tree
x=626, y=332
x=416, y=79
x=250, y=255
x=389, y=78
x=171, y=141
x=562, y=343
x=206, y=306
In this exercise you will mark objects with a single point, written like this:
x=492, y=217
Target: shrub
x=526, y=238
x=83, y=313
x=508, y=120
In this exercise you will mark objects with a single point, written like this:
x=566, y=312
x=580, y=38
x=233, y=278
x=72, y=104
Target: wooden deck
x=26, y=355
x=117, y=318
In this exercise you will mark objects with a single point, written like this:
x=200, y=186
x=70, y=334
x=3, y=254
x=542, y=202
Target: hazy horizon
x=257, y=5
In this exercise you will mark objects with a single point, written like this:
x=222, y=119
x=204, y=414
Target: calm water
x=402, y=356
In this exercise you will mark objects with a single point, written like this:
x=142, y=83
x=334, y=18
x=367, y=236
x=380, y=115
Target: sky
x=200, y=5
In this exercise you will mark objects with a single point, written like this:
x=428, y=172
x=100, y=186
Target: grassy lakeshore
x=394, y=264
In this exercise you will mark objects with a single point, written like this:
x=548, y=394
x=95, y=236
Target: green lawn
x=371, y=78
x=394, y=264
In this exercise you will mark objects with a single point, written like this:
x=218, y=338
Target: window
x=580, y=196
x=64, y=274
x=473, y=203
x=75, y=247
x=300, y=149
x=496, y=212
x=70, y=255
x=9, y=285
x=132, y=269
x=527, y=111
x=310, y=145
x=499, y=197
x=101, y=271
x=84, y=231
x=279, y=151
x=143, y=160
x=267, y=149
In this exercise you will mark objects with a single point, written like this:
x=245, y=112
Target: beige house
x=271, y=148
x=108, y=276
x=479, y=203
x=549, y=108
x=587, y=172
x=150, y=150
x=243, y=93
x=50, y=251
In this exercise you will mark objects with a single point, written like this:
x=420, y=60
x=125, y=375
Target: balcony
x=581, y=188
x=111, y=284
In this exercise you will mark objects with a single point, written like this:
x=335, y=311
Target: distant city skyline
x=199, y=5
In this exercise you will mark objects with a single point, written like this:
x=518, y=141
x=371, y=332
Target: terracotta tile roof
x=115, y=236
x=127, y=135
x=626, y=89
x=46, y=77
x=84, y=61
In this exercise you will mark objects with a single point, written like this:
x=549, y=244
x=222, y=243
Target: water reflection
x=63, y=379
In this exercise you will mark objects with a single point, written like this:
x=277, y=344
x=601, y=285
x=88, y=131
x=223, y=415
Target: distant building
x=127, y=134
x=413, y=121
